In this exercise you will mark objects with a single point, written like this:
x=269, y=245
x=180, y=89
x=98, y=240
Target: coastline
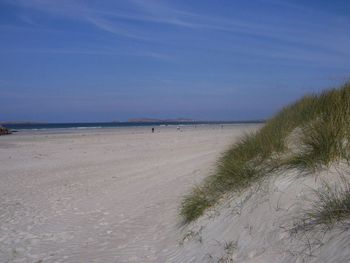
x=109, y=125
x=145, y=127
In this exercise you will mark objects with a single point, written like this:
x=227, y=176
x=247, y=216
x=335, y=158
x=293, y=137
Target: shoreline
x=158, y=127
x=98, y=125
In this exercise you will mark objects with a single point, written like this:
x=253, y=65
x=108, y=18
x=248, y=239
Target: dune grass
x=326, y=138
x=331, y=206
x=324, y=121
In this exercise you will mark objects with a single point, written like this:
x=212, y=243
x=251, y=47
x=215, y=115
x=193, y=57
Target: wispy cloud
x=283, y=29
x=287, y=35
x=77, y=10
x=91, y=51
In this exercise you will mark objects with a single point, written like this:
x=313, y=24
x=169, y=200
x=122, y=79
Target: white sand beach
x=107, y=195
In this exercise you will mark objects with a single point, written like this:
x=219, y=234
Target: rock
x=4, y=131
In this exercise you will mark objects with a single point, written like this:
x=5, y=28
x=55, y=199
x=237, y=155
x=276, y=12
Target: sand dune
x=101, y=196
x=263, y=225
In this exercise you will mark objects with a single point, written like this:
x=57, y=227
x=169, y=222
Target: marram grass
x=331, y=206
x=324, y=122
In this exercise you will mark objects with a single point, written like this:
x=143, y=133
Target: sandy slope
x=263, y=225
x=101, y=196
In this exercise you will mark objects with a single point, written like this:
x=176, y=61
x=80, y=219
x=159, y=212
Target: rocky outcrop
x=4, y=131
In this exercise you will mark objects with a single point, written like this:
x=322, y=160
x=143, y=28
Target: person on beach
x=152, y=130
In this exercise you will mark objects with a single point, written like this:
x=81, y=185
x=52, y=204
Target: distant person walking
x=152, y=130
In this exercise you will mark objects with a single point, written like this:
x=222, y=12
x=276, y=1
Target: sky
x=90, y=61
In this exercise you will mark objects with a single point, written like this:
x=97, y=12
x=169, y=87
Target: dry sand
x=264, y=225
x=102, y=196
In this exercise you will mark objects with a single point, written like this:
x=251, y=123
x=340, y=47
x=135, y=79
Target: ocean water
x=99, y=125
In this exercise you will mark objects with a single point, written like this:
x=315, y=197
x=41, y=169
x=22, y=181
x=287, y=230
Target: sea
x=102, y=125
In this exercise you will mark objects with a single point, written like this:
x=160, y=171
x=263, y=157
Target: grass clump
x=332, y=206
x=324, y=121
x=327, y=137
x=195, y=204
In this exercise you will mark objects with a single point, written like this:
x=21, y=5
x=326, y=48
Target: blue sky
x=74, y=60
